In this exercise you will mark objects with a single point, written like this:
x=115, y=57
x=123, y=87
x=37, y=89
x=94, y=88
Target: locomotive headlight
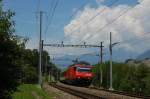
x=88, y=74
x=79, y=77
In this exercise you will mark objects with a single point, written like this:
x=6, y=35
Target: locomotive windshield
x=79, y=69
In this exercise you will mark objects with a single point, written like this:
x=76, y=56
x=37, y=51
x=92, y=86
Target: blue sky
x=26, y=11
x=25, y=17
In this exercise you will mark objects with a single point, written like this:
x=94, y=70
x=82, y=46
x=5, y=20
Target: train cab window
x=74, y=68
x=79, y=69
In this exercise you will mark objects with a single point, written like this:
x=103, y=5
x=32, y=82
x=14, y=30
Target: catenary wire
x=114, y=20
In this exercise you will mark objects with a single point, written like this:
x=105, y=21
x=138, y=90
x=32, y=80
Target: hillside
x=144, y=55
x=138, y=62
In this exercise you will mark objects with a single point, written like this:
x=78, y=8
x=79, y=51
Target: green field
x=30, y=91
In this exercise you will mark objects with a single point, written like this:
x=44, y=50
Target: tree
x=29, y=66
x=146, y=90
x=17, y=64
x=128, y=81
x=141, y=79
x=29, y=74
x=10, y=53
x=128, y=78
x=105, y=75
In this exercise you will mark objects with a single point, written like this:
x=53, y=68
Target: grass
x=30, y=91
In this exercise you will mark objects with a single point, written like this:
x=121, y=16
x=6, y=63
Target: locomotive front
x=84, y=73
x=79, y=74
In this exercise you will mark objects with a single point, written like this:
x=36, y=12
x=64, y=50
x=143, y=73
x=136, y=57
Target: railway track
x=77, y=93
x=95, y=93
x=122, y=93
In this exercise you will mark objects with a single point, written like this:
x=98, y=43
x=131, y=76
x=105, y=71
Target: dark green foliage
x=54, y=71
x=29, y=74
x=146, y=90
x=45, y=62
x=29, y=66
x=127, y=82
x=97, y=71
x=17, y=64
x=132, y=79
x=10, y=53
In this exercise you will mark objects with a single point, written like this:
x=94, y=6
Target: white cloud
x=56, y=51
x=132, y=24
x=59, y=52
x=32, y=43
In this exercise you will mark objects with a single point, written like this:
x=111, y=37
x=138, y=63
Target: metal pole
x=49, y=75
x=101, y=61
x=101, y=53
x=46, y=65
x=110, y=48
x=40, y=50
x=57, y=75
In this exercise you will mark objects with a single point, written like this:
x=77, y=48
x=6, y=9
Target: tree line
x=17, y=64
x=128, y=78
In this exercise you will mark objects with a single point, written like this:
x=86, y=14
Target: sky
x=91, y=21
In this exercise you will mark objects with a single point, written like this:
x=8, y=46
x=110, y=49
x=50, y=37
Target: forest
x=128, y=78
x=18, y=65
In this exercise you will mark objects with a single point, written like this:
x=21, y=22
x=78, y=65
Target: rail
x=122, y=93
x=77, y=93
x=96, y=93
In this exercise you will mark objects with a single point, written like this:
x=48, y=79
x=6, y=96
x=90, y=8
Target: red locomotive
x=79, y=74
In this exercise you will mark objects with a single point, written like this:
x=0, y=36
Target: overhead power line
x=120, y=15
x=136, y=41
x=109, y=23
x=69, y=45
x=92, y=18
x=48, y=15
x=51, y=16
x=81, y=7
x=38, y=5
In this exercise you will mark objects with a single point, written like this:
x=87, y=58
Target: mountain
x=119, y=55
x=144, y=55
x=67, y=60
x=135, y=62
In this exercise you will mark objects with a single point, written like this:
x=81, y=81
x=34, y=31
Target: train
x=78, y=74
